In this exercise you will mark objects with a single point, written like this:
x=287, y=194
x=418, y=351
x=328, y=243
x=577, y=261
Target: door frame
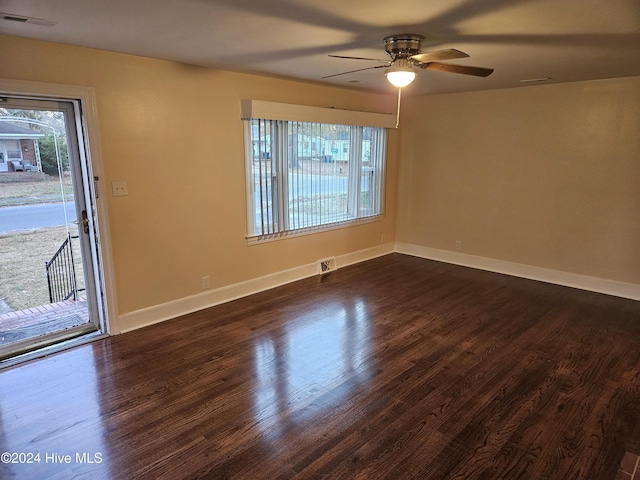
x=86, y=120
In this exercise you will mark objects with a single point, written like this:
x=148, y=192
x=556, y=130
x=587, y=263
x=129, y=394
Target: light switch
x=119, y=189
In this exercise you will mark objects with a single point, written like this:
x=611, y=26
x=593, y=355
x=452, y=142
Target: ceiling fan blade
x=353, y=71
x=359, y=58
x=448, y=54
x=463, y=69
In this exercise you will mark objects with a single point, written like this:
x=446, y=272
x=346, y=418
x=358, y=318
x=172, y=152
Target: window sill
x=259, y=239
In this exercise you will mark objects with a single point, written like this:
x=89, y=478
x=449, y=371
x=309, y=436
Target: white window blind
x=305, y=175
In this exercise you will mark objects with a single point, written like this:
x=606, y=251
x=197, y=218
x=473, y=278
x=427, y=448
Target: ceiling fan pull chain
x=398, y=114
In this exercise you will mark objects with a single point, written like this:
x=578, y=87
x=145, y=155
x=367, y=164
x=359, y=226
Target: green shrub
x=48, y=155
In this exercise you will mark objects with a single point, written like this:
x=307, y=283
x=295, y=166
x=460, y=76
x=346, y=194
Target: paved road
x=30, y=217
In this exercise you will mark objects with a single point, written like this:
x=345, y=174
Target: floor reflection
x=303, y=372
x=49, y=416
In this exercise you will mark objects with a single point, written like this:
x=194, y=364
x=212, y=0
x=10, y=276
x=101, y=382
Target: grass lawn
x=30, y=188
x=23, y=282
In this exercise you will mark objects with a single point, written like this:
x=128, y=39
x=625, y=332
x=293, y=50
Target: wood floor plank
x=397, y=367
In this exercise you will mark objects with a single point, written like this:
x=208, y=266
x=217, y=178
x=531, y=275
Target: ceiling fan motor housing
x=402, y=46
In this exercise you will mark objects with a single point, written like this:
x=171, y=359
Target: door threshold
x=76, y=341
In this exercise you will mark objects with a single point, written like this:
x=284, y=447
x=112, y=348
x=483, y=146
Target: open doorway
x=50, y=274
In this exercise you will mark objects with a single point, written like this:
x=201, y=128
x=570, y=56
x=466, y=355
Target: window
x=297, y=178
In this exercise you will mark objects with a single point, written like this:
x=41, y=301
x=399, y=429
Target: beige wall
x=547, y=176
x=173, y=133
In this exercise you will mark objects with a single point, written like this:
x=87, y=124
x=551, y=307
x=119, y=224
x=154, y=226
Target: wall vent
x=327, y=265
x=10, y=17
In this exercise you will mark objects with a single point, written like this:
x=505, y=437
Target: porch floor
x=43, y=319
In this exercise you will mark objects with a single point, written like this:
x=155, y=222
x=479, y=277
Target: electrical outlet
x=119, y=189
x=458, y=244
x=206, y=283
x=382, y=238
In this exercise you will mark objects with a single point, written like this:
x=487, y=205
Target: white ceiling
x=566, y=40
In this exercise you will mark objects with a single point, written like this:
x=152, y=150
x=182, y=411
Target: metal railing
x=61, y=273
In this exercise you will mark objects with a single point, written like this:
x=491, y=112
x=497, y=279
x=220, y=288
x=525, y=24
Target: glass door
x=50, y=273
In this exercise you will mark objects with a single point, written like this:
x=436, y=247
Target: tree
x=53, y=119
x=48, y=155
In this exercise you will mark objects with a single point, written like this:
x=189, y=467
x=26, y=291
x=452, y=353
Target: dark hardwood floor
x=394, y=368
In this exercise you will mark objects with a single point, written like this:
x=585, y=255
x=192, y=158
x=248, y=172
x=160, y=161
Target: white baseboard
x=166, y=311
x=583, y=282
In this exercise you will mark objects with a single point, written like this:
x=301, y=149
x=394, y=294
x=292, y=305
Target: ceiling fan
x=404, y=51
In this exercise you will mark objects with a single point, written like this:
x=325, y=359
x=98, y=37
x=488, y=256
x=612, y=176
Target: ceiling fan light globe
x=400, y=78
